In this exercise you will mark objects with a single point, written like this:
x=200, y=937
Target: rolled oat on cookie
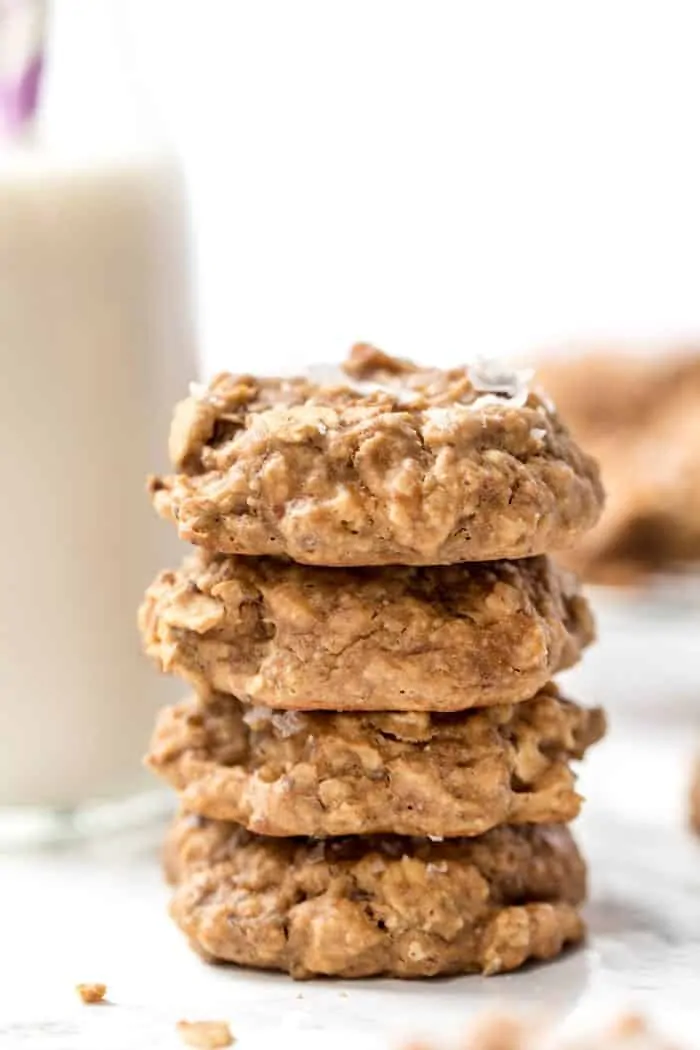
x=357, y=907
x=390, y=464
x=319, y=774
x=441, y=638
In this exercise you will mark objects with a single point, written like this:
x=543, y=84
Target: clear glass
x=97, y=343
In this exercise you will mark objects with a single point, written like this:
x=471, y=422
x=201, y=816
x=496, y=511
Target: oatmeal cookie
x=511, y=1032
x=396, y=638
x=695, y=797
x=389, y=464
x=356, y=907
x=640, y=417
x=326, y=774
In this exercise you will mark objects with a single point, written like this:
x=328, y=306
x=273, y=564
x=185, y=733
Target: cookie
x=389, y=464
x=342, y=774
x=695, y=797
x=357, y=907
x=396, y=638
x=640, y=417
x=513, y=1032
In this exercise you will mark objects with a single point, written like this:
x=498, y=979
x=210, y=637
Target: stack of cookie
x=374, y=768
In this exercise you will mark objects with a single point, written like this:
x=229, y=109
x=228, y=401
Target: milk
x=95, y=346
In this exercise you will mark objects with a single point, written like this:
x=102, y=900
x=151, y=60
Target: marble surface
x=97, y=913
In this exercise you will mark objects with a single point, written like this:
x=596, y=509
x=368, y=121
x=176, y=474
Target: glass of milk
x=96, y=344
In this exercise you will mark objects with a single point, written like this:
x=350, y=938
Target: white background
x=442, y=178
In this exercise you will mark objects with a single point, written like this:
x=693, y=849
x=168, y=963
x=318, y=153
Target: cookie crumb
x=630, y=1025
x=695, y=797
x=494, y=1031
x=205, y=1035
x=91, y=993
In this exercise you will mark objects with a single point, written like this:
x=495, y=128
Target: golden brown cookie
x=511, y=1032
x=390, y=464
x=695, y=797
x=327, y=774
x=395, y=638
x=356, y=907
x=640, y=417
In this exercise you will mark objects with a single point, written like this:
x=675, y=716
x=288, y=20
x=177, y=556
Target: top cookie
x=389, y=464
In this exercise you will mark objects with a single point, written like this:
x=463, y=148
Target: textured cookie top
x=383, y=904
x=391, y=464
x=414, y=773
x=398, y=638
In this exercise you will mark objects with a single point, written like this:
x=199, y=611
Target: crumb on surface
x=630, y=1025
x=92, y=992
x=695, y=797
x=496, y=1032
x=205, y=1035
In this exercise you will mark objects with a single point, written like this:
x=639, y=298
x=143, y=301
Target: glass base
x=27, y=827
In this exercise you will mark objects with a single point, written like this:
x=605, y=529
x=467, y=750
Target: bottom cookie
x=363, y=906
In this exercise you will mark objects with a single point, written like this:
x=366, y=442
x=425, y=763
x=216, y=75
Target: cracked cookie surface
x=388, y=464
x=358, y=907
x=440, y=638
x=325, y=774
